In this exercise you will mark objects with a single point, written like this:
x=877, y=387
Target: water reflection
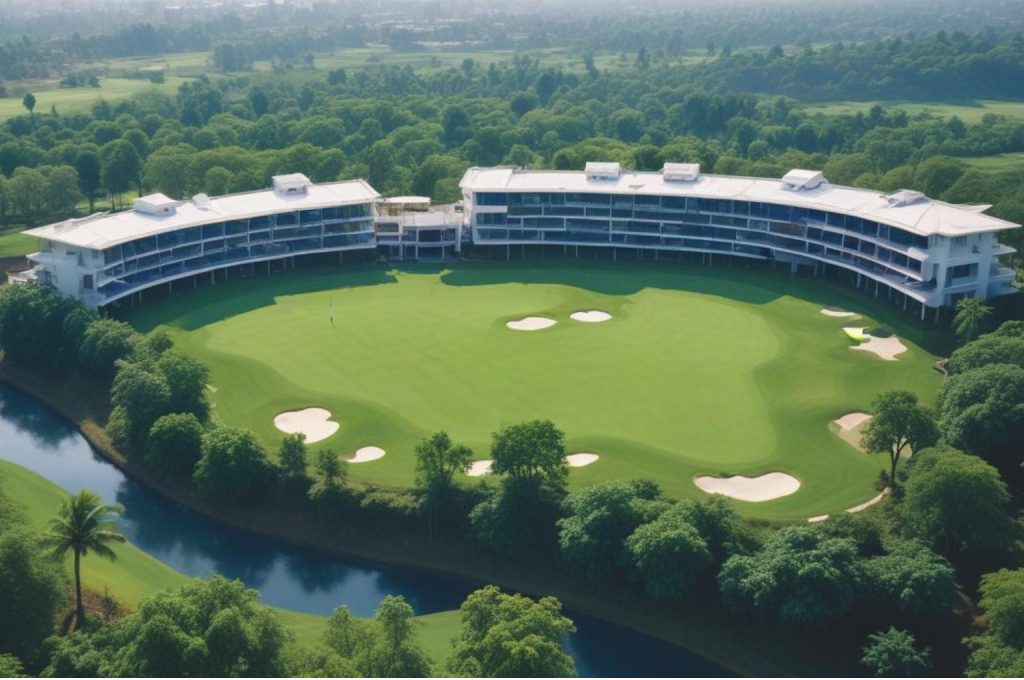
x=33, y=436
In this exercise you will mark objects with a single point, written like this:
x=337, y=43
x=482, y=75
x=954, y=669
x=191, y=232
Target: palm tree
x=971, y=318
x=83, y=523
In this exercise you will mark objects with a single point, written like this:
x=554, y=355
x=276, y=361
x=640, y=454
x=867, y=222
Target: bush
x=232, y=465
x=173, y=445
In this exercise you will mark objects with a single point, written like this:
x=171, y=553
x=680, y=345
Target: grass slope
x=700, y=371
x=969, y=112
x=134, y=575
x=72, y=99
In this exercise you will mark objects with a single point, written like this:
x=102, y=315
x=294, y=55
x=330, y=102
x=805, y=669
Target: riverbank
x=701, y=628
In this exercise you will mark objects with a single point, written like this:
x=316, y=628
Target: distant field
x=969, y=112
x=999, y=162
x=79, y=98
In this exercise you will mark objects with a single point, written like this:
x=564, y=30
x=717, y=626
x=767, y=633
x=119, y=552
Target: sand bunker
x=755, y=489
x=591, y=316
x=837, y=313
x=857, y=508
x=479, y=468
x=315, y=423
x=852, y=420
x=850, y=427
x=867, y=504
x=531, y=323
x=581, y=459
x=366, y=454
x=884, y=348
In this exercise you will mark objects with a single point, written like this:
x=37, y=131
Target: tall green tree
x=395, y=651
x=89, y=168
x=438, y=460
x=982, y=412
x=999, y=651
x=29, y=102
x=506, y=636
x=899, y=424
x=232, y=465
x=84, y=524
x=894, y=654
x=958, y=505
x=971, y=318
x=33, y=589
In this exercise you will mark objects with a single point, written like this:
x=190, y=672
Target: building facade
x=928, y=252
x=106, y=257
x=922, y=252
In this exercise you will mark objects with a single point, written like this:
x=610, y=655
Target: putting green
x=710, y=371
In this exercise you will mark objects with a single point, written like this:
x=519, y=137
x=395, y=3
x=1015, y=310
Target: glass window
x=213, y=230
x=488, y=198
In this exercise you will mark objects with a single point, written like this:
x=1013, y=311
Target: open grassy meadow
x=969, y=112
x=72, y=99
x=720, y=371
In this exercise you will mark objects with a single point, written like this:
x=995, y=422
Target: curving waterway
x=35, y=437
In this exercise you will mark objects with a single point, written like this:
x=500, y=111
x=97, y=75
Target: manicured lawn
x=80, y=98
x=14, y=244
x=701, y=371
x=969, y=112
x=999, y=162
x=134, y=575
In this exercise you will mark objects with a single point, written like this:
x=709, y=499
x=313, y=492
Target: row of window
x=679, y=237
x=146, y=270
x=654, y=207
x=792, y=232
x=216, y=244
x=254, y=225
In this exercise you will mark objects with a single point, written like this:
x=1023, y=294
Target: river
x=35, y=437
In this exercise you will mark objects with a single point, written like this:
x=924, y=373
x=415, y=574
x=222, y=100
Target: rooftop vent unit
x=287, y=185
x=201, y=201
x=680, y=172
x=904, y=197
x=801, y=180
x=157, y=205
x=603, y=170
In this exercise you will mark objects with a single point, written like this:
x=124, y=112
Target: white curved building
x=106, y=257
x=927, y=252
x=904, y=245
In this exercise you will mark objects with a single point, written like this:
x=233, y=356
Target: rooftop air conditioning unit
x=296, y=183
x=801, y=180
x=155, y=204
x=603, y=170
x=680, y=172
x=904, y=197
x=201, y=201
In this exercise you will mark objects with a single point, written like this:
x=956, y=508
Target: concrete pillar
x=876, y=289
x=924, y=309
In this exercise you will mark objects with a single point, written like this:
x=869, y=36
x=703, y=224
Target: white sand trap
x=315, y=423
x=591, y=316
x=581, y=459
x=838, y=313
x=852, y=420
x=867, y=504
x=819, y=518
x=479, y=468
x=754, y=489
x=366, y=454
x=531, y=323
x=885, y=348
x=849, y=427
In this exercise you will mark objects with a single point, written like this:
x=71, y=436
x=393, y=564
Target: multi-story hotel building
x=106, y=257
x=922, y=252
x=926, y=252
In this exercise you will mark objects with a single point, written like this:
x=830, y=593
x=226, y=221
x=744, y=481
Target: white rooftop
x=924, y=217
x=104, y=230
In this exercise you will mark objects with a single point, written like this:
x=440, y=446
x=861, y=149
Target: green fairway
x=997, y=163
x=969, y=112
x=79, y=98
x=699, y=371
